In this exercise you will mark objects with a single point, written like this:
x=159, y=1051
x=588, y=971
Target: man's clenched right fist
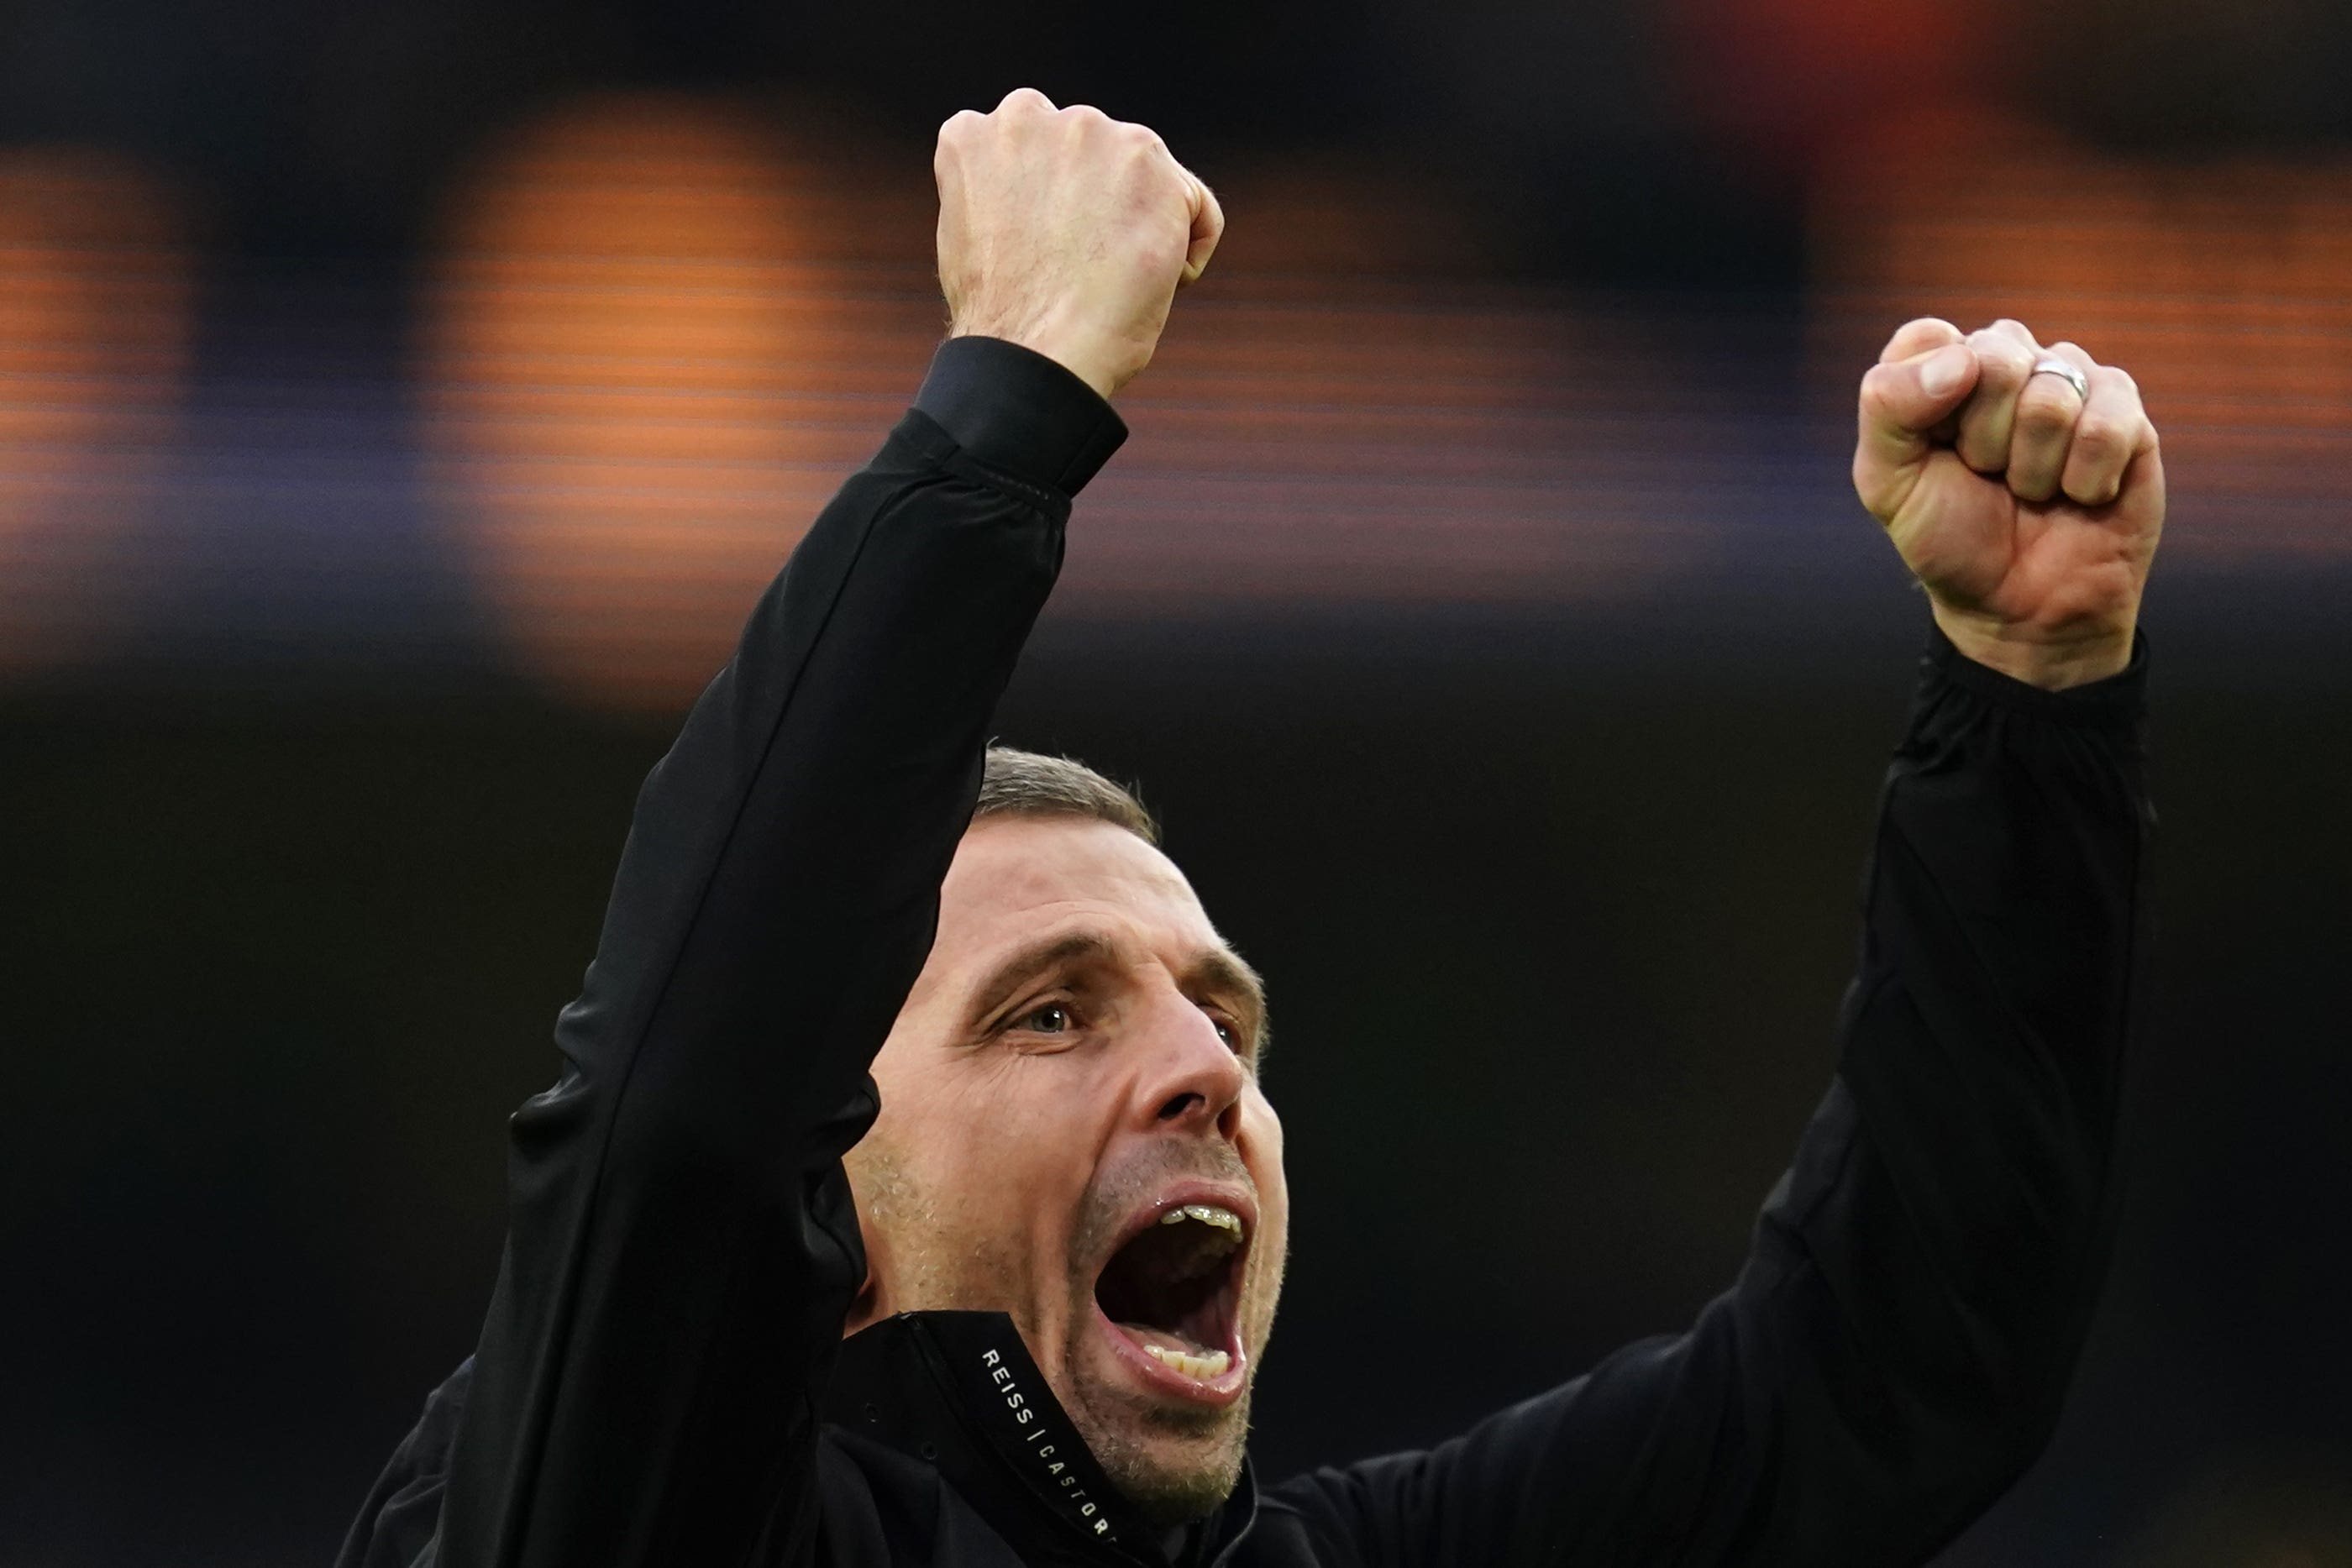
x=1067, y=232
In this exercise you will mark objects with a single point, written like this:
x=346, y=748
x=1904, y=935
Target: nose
x=1191, y=1080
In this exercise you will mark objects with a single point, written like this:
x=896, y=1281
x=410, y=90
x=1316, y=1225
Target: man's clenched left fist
x=1067, y=232
x=2028, y=511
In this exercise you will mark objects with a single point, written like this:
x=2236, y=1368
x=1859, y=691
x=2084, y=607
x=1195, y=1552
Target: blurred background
x=400, y=403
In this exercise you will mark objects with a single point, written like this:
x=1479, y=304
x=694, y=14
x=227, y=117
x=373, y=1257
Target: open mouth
x=1172, y=1288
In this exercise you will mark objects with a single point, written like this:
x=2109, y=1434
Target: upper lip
x=1237, y=1199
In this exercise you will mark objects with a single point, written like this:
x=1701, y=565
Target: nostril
x=1181, y=1104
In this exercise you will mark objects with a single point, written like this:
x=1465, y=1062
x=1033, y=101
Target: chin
x=1174, y=1465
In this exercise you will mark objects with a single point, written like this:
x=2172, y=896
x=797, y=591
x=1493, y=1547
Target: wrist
x=1019, y=413
x=1077, y=353
x=2050, y=662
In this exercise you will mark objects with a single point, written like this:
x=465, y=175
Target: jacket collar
x=959, y=1390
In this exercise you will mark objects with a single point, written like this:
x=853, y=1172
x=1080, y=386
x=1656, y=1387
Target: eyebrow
x=1023, y=964
x=1223, y=972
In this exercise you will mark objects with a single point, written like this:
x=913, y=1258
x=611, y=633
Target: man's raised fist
x=2025, y=499
x=1067, y=232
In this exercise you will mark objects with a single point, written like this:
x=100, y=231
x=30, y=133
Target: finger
x=1902, y=402
x=954, y=132
x=2017, y=332
x=2047, y=408
x=1025, y=99
x=2075, y=355
x=1989, y=416
x=1915, y=337
x=1208, y=228
x=2109, y=434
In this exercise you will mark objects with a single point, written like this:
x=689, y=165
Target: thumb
x=1208, y=227
x=1901, y=403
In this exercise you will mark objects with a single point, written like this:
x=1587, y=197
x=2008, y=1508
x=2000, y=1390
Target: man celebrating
x=909, y=1195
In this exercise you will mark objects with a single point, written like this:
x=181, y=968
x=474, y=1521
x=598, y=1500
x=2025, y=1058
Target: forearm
x=681, y=1250
x=1898, y=1343
x=785, y=856
x=1947, y=1223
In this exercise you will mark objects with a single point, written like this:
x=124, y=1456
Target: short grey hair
x=1031, y=784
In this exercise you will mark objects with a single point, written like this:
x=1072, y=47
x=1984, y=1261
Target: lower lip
x=1163, y=1379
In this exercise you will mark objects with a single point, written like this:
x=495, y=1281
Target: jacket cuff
x=2119, y=699
x=1015, y=410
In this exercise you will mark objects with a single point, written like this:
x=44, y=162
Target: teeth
x=1207, y=1214
x=1204, y=1367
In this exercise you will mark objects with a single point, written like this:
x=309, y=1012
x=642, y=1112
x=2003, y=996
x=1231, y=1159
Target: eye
x=1225, y=1030
x=1049, y=1018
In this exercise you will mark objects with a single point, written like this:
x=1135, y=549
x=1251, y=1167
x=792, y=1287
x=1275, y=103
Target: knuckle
x=1983, y=448
x=2002, y=358
x=1876, y=386
x=2097, y=437
x=1918, y=335
x=2040, y=416
x=1864, y=473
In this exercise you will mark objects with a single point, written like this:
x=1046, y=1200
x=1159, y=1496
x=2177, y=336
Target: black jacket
x=662, y=1379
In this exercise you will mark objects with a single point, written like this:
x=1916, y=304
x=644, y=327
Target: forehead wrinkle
x=1115, y=900
x=1032, y=859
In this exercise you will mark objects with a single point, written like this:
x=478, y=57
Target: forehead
x=1012, y=874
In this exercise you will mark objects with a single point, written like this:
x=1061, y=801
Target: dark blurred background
x=401, y=403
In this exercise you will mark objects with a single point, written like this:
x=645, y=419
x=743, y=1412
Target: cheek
x=1261, y=1150
x=1260, y=1132
x=1029, y=1113
x=1009, y=1143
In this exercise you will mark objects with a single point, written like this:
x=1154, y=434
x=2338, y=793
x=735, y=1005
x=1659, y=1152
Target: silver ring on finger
x=2065, y=371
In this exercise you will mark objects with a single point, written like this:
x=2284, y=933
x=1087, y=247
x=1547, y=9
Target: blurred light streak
x=2224, y=287
x=1335, y=440
x=652, y=352
x=94, y=343
x=660, y=335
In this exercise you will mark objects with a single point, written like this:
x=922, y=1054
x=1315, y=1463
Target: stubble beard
x=1174, y=1464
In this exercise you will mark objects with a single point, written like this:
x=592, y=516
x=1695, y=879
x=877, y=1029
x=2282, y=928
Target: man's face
x=1072, y=1133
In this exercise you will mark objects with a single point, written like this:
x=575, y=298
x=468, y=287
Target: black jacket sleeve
x=1896, y=1347
x=681, y=1247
